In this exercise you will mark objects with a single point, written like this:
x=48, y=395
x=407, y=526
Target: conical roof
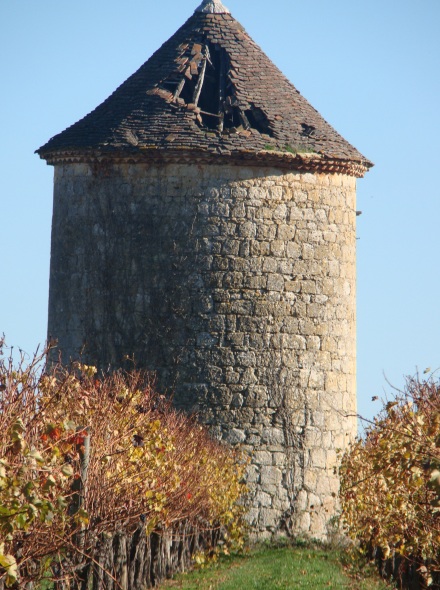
x=209, y=92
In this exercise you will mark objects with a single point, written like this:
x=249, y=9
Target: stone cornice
x=303, y=162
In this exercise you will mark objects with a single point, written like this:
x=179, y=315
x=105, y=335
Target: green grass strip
x=287, y=568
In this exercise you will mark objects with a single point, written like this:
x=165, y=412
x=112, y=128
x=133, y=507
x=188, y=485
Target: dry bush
x=390, y=487
x=83, y=454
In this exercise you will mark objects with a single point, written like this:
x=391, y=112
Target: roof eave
x=304, y=162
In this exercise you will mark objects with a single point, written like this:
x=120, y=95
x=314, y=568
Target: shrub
x=390, y=480
x=83, y=454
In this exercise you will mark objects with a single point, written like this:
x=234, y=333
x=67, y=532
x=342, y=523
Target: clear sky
x=372, y=69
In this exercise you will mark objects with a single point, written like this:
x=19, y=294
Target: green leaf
x=62, y=502
x=81, y=517
x=37, y=456
x=32, y=510
x=50, y=482
x=69, y=425
x=22, y=521
x=67, y=470
x=28, y=489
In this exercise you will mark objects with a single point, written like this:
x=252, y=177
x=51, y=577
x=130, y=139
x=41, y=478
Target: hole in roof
x=203, y=79
x=258, y=120
x=307, y=130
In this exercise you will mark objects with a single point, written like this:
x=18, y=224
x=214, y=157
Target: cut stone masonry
x=204, y=223
x=237, y=287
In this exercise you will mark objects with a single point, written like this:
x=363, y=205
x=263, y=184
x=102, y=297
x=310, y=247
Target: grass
x=287, y=568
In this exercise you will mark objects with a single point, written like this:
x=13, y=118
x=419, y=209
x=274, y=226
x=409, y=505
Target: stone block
x=252, y=474
x=332, y=459
x=246, y=359
x=285, y=232
x=251, y=516
x=318, y=521
x=235, y=339
x=266, y=231
x=314, y=343
x=293, y=250
x=262, y=458
x=308, y=251
x=310, y=478
x=241, y=307
x=282, y=505
x=248, y=377
x=235, y=436
x=256, y=194
x=247, y=229
x=313, y=438
x=263, y=499
x=316, y=379
x=302, y=501
x=276, y=193
x=275, y=282
x=218, y=208
x=233, y=280
x=277, y=248
x=293, y=341
x=279, y=459
x=256, y=396
x=238, y=211
x=273, y=436
x=255, y=282
x=269, y=518
x=232, y=377
x=270, y=475
x=270, y=265
x=237, y=400
x=318, y=458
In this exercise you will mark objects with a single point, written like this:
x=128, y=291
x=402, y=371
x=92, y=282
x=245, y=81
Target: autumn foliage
x=391, y=480
x=84, y=454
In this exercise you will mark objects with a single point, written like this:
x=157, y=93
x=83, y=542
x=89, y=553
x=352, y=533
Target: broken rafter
x=199, y=85
x=221, y=124
x=179, y=89
x=212, y=114
x=244, y=120
x=222, y=82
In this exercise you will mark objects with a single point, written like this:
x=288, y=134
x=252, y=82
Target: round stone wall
x=237, y=287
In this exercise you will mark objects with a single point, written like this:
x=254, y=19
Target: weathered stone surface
x=235, y=436
x=269, y=519
x=270, y=475
x=262, y=458
x=237, y=287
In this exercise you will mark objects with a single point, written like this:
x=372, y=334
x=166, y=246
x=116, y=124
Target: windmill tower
x=204, y=223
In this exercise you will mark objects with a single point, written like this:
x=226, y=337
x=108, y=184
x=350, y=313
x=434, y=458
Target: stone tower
x=204, y=223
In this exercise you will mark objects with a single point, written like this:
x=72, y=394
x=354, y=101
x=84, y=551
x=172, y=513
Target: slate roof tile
x=239, y=89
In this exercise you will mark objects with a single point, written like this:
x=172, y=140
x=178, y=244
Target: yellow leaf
x=9, y=563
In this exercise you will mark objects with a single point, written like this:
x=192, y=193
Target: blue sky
x=370, y=68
